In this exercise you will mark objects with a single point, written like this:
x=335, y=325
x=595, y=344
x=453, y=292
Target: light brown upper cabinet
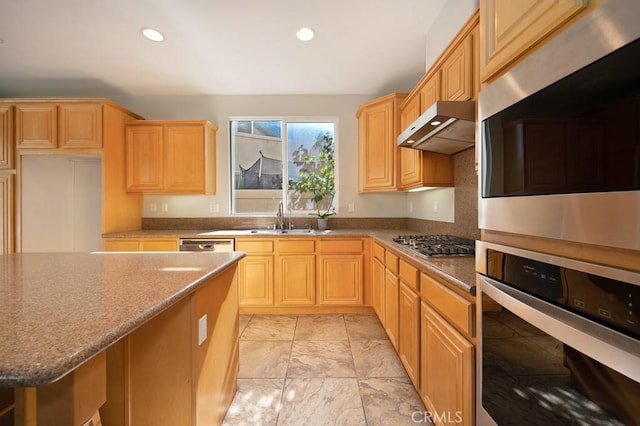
x=59, y=125
x=378, y=152
x=452, y=77
x=6, y=137
x=170, y=157
x=511, y=29
x=457, y=72
x=421, y=168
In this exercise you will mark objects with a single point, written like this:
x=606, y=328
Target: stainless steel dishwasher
x=207, y=244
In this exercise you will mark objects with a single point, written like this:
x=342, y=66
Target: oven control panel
x=610, y=302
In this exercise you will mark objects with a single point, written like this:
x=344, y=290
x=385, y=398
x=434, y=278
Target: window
x=282, y=160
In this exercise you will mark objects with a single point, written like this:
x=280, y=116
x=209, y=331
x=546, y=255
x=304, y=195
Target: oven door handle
x=612, y=348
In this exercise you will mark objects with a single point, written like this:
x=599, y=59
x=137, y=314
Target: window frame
x=284, y=137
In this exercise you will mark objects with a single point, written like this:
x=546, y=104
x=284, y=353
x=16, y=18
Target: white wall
x=454, y=14
x=452, y=17
x=218, y=109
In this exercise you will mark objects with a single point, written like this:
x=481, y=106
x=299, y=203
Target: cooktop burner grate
x=437, y=245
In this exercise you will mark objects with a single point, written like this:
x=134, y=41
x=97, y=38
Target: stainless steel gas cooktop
x=437, y=245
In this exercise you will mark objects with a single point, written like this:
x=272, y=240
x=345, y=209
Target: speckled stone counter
x=456, y=271
x=60, y=309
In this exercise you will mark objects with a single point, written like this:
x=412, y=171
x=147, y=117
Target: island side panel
x=216, y=360
x=160, y=375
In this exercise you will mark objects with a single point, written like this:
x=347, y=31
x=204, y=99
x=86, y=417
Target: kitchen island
x=128, y=329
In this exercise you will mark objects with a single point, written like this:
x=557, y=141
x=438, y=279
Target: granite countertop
x=456, y=271
x=60, y=309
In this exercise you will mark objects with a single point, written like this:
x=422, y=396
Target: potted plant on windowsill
x=316, y=179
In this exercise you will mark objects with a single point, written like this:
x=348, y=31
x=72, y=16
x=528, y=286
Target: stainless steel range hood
x=447, y=127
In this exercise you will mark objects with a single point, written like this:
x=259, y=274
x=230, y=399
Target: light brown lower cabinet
x=340, y=279
x=409, y=332
x=140, y=244
x=377, y=285
x=162, y=374
x=295, y=272
x=256, y=272
x=391, y=289
x=302, y=274
x=446, y=369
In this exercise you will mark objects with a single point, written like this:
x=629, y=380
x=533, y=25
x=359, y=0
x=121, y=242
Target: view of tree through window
x=282, y=160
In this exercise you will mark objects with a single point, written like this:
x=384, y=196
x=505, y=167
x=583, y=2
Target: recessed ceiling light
x=151, y=34
x=305, y=34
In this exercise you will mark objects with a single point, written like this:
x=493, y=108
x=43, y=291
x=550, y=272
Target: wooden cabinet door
x=340, y=279
x=144, y=159
x=159, y=244
x=184, y=158
x=140, y=244
x=6, y=213
x=6, y=137
x=512, y=28
x=378, y=158
x=446, y=368
x=391, y=288
x=36, y=125
x=377, y=277
x=409, y=158
x=255, y=279
x=121, y=244
x=457, y=73
x=80, y=125
x=295, y=272
x=171, y=157
x=409, y=332
x=430, y=92
x=295, y=278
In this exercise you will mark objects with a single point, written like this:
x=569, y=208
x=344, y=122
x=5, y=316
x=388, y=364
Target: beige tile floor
x=320, y=370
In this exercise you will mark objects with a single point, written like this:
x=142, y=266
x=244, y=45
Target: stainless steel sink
x=236, y=232
x=282, y=231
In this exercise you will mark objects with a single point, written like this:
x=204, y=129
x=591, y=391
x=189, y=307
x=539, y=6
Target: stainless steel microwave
x=560, y=136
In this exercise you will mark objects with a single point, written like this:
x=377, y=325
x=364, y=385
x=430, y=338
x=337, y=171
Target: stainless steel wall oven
x=560, y=136
x=558, y=338
x=562, y=345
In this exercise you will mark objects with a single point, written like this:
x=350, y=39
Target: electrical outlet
x=153, y=207
x=410, y=207
x=435, y=206
x=214, y=208
x=351, y=207
x=202, y=329
x=165, y=207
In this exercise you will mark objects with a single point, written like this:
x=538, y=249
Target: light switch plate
x=202, y=329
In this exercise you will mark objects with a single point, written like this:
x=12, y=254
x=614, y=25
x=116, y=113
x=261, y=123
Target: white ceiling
x=84, y=47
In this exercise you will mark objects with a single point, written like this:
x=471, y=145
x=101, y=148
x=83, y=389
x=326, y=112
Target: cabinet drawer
x=378, y=252
x=296, y=246
x=255, y=246
x=160, y=244
x=121, y=244
x=391, y=262
x=457, y=310
x=409, y=275
x=341, y=246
